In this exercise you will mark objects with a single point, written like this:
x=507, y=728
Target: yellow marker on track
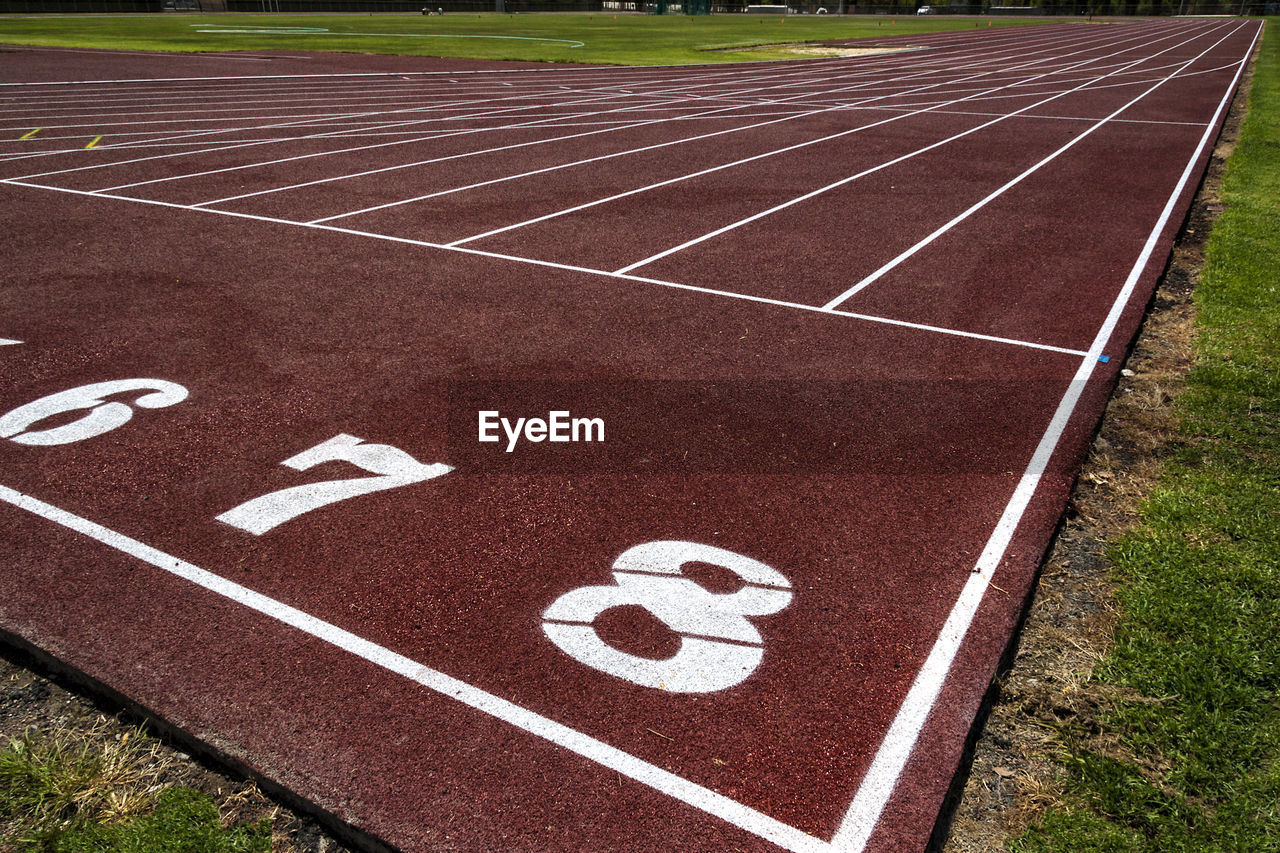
x=95, y=141
x=31, y=134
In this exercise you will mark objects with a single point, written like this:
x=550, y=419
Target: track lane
x=893, y=509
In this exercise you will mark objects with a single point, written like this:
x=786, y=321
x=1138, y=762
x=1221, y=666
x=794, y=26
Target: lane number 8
x=719, y=646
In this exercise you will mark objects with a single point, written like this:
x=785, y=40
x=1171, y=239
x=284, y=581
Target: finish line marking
x=746, y=297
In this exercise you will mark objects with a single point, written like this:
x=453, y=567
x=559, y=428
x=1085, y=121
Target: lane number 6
x=102, y=416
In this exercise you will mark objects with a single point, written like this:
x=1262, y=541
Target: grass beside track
x=71, y=791
x=1194, y=763
x=600, y=38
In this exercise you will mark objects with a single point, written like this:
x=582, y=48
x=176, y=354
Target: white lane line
x=746, y=297
x=354, y=76
x=1126, y=84
x=574, y=163
x=663, y=98
x=1008, y=185
x=187, y=112
x=981, y=114
x=710, y=79
x=672, y=93
x=681, y=93
x=295, y=123
x=104, y=51
x=851, y=840
x=801, y=77
x=659, y=86
x=278, y=31
x=540, y=122
x=385, y=86
x=851, y=178
x=705, y=799
x=712, y=169
x=886, y=769
x=786, y=118
x=611, y=70
x=6, y=342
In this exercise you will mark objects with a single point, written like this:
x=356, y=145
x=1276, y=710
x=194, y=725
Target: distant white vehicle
x=924, y=10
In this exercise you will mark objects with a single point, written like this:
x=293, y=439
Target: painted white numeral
x=393, y=468
x=719, y=646
x=102, y=416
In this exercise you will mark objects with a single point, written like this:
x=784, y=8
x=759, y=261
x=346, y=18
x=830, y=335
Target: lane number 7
x=391, y=467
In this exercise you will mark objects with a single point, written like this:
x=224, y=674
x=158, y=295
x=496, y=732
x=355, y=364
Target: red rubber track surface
x=854, y=319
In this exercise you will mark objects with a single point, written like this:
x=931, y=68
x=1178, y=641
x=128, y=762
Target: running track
x=848, y=324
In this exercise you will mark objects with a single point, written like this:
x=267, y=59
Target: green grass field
x=599, y=39
x=1198, y=582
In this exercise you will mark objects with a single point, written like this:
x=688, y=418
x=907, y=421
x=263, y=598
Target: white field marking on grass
x=685, y=177
x=632, y=151
x=886, y=769
x=597, y=751
x=851, y=178
x=1004, y=188
x=745, y=297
